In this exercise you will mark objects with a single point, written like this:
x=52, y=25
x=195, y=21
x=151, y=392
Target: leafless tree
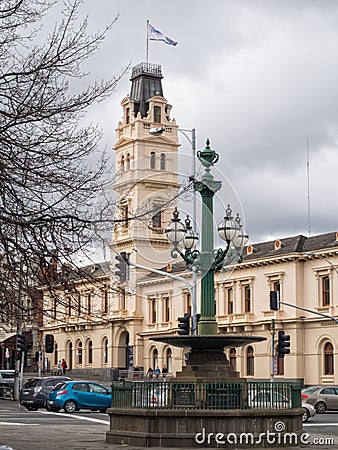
x=50, y=165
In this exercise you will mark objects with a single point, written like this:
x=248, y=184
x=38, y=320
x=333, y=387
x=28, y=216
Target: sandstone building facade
x=111, y=325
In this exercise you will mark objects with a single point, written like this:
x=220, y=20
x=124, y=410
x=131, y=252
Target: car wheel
x=70, y=406
x=305, y=416
x=103, y=410
x=320, y=407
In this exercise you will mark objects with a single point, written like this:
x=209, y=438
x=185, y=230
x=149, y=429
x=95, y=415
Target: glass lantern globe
x=175, y=231
x=229, y=228
x=242, y=238
x=190, y=239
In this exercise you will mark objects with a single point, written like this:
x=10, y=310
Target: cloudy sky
x=260, y=79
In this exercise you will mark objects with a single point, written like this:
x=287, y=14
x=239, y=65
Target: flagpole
x=147, y=44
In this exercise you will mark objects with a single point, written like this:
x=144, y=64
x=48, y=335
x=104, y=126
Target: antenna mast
x=308, y=186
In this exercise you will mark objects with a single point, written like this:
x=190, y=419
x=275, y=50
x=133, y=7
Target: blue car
x=74, y=395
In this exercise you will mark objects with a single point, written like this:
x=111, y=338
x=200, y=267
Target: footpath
x=30, y=436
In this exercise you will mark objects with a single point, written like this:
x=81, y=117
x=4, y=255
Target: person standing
x=157, y=372
x=164, y=372
x=60, y=371
x=64, y=366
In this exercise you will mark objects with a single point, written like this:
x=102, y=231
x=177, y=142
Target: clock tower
x=146, y=181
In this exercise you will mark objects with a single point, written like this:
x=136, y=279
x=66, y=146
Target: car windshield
x=58, y=387
x=31, y=383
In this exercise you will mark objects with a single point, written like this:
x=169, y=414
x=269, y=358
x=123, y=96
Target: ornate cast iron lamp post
x=207, y=259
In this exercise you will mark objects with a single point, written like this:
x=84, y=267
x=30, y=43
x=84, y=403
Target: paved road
x=23, y=430
x=42, y=430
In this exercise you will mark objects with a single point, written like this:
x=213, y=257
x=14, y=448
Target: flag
x=155, y=35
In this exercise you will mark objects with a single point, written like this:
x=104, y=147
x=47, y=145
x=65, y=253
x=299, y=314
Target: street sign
x=275, y=367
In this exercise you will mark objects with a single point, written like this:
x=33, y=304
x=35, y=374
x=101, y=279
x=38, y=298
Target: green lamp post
x=207, y=259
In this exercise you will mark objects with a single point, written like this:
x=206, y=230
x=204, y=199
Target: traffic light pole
x=310, y=311
x=272, y=331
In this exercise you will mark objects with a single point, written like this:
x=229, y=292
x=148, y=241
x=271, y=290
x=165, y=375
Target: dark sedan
x=35, y=391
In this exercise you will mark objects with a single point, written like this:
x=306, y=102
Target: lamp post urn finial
x=207, y=157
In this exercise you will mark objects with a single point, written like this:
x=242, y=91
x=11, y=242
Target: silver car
x=309, y=411
x=322, y=398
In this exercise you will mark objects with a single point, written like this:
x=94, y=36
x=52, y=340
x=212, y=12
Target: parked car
x=266, y=399
x=35, y=391
x=75, y=395
x=322, y=398
x=275, y=400
x=309, y=411
x=151, y=395
x=7, y=378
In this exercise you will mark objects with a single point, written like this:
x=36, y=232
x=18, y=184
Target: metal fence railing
x=234, y=395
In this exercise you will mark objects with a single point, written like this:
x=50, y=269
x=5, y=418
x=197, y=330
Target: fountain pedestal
x=208, y=405
x=207, y=361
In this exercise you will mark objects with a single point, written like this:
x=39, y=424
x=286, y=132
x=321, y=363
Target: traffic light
x=121, y=266
x=283, y=347
x=274, y=300
x=184, y=324
x=21, y=342
x=49, y=343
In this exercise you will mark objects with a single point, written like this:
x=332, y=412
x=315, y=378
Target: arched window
x=162, y=161
x=127, y=115
x=105, y=351
x=56, y=352
x=157, y=218
x=152, y=160
x=155, y=358
x=250, y=368
x=70, y=355
x=233, y=358
x=168, y=359
x=128, y=162
x=90, y=352
x=79, y=352
x=328, y=359
x=122, y=163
